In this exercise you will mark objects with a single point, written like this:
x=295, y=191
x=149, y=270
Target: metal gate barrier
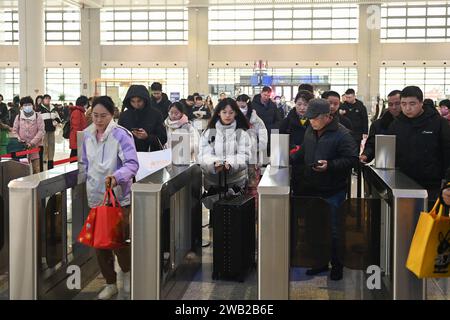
x=47, y=212
x=166, y=233
x=9, y=170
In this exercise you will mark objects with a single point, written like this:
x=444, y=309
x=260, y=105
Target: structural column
x=369, y=53
x=198, y=48
x=91, y=50
x=31, y=47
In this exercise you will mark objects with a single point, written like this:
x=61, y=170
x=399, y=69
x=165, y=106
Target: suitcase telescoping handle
x=223, y=173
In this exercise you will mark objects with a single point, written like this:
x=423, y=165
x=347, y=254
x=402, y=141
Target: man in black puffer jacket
x=423, y=142
x=145, y=122
x=159, y=99
x=356, y=112
x=328, y=154
x=381, y=126
x=267, y=110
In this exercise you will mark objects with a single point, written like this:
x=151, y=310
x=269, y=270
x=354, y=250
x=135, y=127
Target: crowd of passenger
x=329, y=137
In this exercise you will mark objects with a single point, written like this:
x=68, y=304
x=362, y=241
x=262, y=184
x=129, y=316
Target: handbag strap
x=438, y=208
x=113, y=199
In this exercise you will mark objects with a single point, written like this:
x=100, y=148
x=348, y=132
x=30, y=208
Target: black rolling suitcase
x=233, y=221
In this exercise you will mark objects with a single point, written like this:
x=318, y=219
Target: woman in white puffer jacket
x=226, y=145
x=257, y=132
x=177, y=121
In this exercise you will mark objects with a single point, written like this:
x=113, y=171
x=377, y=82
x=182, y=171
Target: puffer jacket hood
x=147, y=118
x=136, y=90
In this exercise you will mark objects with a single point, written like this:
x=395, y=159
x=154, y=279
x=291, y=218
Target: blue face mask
x=28, y=108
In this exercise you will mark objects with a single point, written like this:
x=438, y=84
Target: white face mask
x=28, y=108
x=244, y=110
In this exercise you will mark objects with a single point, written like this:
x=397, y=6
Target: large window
x=149, y=26
x=173, y=80
x=435, y=82
x=9, y=83
x=62, y=27
x=284, y=81
x=63, y=82
x=9, y=26
x=415, y=22
x=283, y=24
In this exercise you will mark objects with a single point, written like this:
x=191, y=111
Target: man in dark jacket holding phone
x=145, y=122
x=327, y=156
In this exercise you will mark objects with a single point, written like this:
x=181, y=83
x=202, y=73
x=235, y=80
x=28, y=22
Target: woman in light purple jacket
x=110, y=160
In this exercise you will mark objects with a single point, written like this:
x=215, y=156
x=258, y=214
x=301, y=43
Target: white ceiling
x=150, y=3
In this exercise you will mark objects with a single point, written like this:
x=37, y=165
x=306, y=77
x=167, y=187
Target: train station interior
x=219, y=54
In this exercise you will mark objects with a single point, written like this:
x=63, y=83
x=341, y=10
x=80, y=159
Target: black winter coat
x=357, y=114
x=344, y=121
x=147, y=118
x=292, y=126
x=337, y=146
x=162, y=106
x=269, y=113
x=380, y=126
x=422, y=147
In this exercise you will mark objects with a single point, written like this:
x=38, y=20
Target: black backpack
x=66, y=130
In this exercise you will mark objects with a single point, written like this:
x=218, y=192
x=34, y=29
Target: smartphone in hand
x=316, y=164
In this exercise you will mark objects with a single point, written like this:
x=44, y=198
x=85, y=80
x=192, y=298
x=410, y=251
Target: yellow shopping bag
x=429, y=254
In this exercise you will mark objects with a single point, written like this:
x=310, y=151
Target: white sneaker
x=108, y=292
x=126, y=281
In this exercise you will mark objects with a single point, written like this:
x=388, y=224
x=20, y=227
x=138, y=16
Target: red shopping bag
x=86, y=235
x=104, y=227
x=109, y=225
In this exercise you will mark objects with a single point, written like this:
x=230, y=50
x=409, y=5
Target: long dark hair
x=36, y=101
x=245, y=98
x=241, y=120
x=179, y=106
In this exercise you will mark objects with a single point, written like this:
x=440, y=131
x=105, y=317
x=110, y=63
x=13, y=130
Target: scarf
x=177, y=123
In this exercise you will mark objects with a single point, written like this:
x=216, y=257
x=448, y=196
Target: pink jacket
x=30, y=130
